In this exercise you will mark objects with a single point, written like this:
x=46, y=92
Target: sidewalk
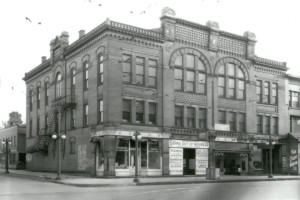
x=85, y=180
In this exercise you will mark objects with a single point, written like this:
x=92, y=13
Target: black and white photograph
x=149, y=100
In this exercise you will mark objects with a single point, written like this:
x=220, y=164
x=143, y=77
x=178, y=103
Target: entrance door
x=189, y=161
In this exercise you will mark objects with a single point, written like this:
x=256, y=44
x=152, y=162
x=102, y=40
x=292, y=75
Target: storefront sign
x=130, y=134
x=225, y=139
x=201, y=161
x=294, y=160
x=176, y=161
x=188, y=144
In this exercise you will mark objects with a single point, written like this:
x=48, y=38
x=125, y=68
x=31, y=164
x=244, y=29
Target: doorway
x=189, y=164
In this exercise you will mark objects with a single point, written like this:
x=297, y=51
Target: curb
x=47, y=179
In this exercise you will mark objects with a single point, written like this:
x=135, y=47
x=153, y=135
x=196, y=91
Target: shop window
x=152, y=73
x=144, y=156
x=85, y=75
x=72, y=145
x=100, y=69
x=127, y=68
x=202, y=118
x=100, y=157
x=122, y=156
x=152, y=113
x=232, y=121
x=259, y=124
x=190, y=117
x=139, y=106
x=222, y=117
x=154, y=155
x=126, y=114
x=140, y=71
x=58, y=86
x=179, y=116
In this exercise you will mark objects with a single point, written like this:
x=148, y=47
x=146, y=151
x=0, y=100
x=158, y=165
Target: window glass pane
x=222, y=119
x=202, y=118
x=190, y=117
x=240, y=73
x=231, y=120
x=200, y=65
x=190, y=61
x=221, y=86
x=222, y=70
x=152, y=71
x=152, y=63
x=178, y=73
x=178, y=85
x=190, y=76
x=178, y=61
x=152, y=81
x=154, y=155
x=230, y=68
x=221, y=81
x=201, y=78
x=139, y=60
x=140, y=69
x=126, y=105
x=144, y=154
x=231, y=88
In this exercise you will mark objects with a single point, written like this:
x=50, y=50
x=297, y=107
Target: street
x=13, y=188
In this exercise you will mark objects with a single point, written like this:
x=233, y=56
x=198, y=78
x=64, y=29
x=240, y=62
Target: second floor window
x=275, y=125
x=152, y=74
x=73, y=81
x=232, y=121
x=139, y=112
x=259, y=91
x=259, y=124
x=190, y=117
x=38, y=96
x=294, y=99
x=202, y=118
x=222, y=117
x=46, y=123
x=266, y=96
x=100, y=69
x=152, y=113
x=85, y=75
x=242, y=122
x=126, y=114
x=179, y=116
x=178, y=79
x=46, y=93
x=58, y=86
x=30, y=128
x=267, y=124
x=274, y=93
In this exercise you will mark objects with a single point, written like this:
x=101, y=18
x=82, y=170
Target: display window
x=122, y=156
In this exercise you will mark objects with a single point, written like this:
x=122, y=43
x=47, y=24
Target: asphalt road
x=12, y=188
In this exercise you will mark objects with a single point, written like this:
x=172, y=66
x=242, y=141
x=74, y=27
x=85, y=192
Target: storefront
x=188, y=157
x=115, y=153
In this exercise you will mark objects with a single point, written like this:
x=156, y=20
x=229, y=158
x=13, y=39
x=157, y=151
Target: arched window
x=72, y=145
x=100, y=69
x=73, y=80
x=30, y=99
x=85, y=75
x=38, y=96
x=46, y=93
x=58, y=86
x=190, y=69
x=231, y=81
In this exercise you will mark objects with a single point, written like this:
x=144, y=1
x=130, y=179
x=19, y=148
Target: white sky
x=275, y=23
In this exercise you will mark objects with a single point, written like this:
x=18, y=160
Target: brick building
x=198, y=96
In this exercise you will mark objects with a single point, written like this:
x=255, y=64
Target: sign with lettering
x=188, y=144
x=293, y=159
x=222, y=127
x=225, y=139
x=201, y=161
x=176, y=161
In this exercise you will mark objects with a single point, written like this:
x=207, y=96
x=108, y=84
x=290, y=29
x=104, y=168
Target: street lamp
x=6, y=142
x=59, y=137
x=136, y=137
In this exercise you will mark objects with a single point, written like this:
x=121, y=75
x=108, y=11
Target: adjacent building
x=198, y=96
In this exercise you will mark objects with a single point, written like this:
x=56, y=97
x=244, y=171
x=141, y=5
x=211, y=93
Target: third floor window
x=85, y=75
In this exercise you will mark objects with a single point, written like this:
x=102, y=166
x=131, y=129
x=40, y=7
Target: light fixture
x=63, y=137
x=54, y=136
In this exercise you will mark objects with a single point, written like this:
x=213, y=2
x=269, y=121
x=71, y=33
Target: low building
x=16, y=134
x=198, y=96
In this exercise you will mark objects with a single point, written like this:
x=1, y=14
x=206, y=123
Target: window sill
x=232, y=99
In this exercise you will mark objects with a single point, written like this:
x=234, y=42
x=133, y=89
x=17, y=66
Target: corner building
x=199, y=97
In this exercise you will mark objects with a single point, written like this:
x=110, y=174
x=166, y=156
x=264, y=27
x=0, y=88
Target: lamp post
x=136, y=137
x=59, y=137
x=6, y=142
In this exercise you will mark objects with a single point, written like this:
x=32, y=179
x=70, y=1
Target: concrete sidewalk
x=85, y=180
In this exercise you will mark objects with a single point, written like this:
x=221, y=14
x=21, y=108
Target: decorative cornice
x=43, y=66
x=270, y=63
